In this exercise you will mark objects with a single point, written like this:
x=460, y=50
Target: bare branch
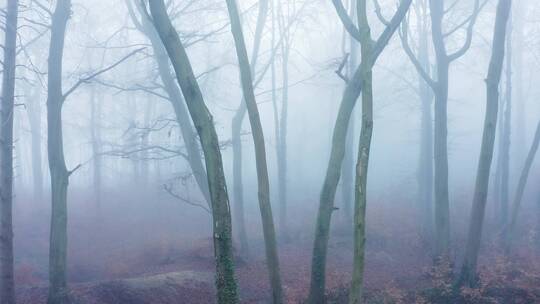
x=95, y=74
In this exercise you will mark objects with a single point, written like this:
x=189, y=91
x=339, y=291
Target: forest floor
x=129, y=267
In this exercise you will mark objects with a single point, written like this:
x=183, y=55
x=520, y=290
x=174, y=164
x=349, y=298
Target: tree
x=236, y=136
x=439, y=86
x=516, y=204
x=364, y=149
x=425, y=164
x=502, y=175
x=468, y=271
x=174, y=95
x=58, y=293
x=7, y=284
x=260, y=153
x=328, y=192
x=203, y=121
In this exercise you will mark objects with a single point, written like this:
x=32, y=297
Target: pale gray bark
x=364, y=149
x=58, y=293
x=272, y=258
x=203, y=121
x=468, y=274
x=7, y=284
x=33, y=108
x=439, y=86
x=516, y=204
x=333, y=173
x=236, y=136
x=189, y=136
x=95, y=138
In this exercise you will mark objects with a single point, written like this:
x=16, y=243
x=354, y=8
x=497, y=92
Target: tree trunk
x=58, y=293
x=260, y=153
x=236, y=137
x=333, y=172
x=502, y=183
x=203, y=121
x=521, y=189
x=281, y=146
x=95, y=119
x=7, y=284
x=364, y=149
x=425, y=166
x=504, y=152
x=177, y=100
x=468, y=274
x=350, y=150
x=442, y=208
x=34, y=119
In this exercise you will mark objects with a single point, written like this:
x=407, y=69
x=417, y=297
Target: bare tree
x=7, y=284
x=425, y=164
x=468, y=274
x=439, y=84
x=203, y=121
x=364, y=149
x=260, y=153
x=236, y=136
x=175, y=97
x=328, y=192
x=58, y=293
x=516, y=204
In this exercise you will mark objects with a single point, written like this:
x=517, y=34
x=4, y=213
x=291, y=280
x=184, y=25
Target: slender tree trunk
x=347, y=179
x=520, y=10
x=236, y=136
x=333, y=172
x=468, y=274
x=203, y=121
x=505, y=134
x=425, y=167
x=95, y=129
x=260, y=153
x=509, y=233
x=189, y=135
x=7, y=284
x=281, y=146
x=364, y=149
x=442, y=208
x=58, y=293
x=34, y=118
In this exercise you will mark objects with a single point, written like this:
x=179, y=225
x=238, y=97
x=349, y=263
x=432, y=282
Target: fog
x=122, y=193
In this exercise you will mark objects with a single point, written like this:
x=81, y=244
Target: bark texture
x=468, y=274
x=333, y=172
x=7, y=284
x=58, y=293
x=203, y=121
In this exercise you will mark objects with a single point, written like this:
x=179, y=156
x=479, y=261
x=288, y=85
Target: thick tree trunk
x=333, y=172
x=521, y=189
x=7, y=284
x=468, y=274
x=58, y=293
x=364, y=149
x=203, y=121
x=260, y=153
